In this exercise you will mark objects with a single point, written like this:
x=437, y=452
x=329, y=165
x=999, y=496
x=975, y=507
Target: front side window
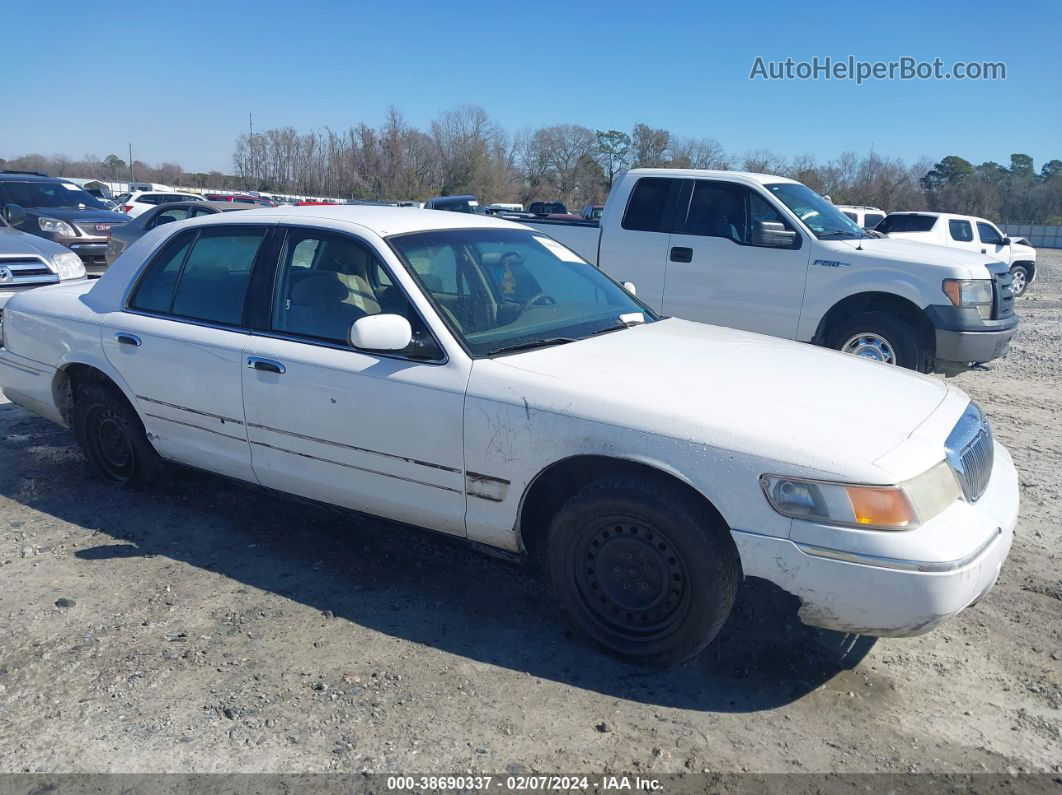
x=327, y=281
x=647, y=207
x=201, y=275
x=509, y=289
x=871, y=220
x=961, y=231
x=823, y=219
x=729, y=210
x=989, y=234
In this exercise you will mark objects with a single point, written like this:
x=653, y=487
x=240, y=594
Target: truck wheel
x=112, y=437
x=639, y=567
x=1021, y=279
x=881, y=337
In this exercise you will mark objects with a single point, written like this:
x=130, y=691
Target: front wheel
x=640, y=567
x=880, y=337
x=1020, y=276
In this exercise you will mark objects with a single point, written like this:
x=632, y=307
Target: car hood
x=913, y=251
x=88, y=215
x=743, y=392
x=16, y=243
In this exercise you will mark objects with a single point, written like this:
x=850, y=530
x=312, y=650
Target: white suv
x=968, y=232
x=136, y=203
x=866, y=217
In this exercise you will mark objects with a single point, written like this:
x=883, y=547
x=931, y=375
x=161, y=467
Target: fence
x=1038, y=235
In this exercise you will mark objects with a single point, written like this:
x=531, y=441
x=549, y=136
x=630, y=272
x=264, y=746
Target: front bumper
x=858, y=585
x=963, y=336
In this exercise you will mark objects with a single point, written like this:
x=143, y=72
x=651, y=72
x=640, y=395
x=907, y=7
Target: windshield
x=821, y=217
x=504, y=289
x=49, y=194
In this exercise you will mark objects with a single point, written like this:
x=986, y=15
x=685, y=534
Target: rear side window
x=961, y=231
x=851, y=215
x=149, y=198
x=647, y=207
x=871, y=220
x=202, y=276
x=907, y=222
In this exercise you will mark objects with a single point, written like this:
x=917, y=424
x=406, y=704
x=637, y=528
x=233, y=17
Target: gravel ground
x=209, y=626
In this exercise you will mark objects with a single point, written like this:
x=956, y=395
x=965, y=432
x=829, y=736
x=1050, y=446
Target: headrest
x=321, y=288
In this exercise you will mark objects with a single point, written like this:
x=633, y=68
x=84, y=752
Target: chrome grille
x=26, y=271
x=971, y=452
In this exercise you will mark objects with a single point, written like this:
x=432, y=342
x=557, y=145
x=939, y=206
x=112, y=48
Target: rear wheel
x=880, y=337
x=1020, y=274
x=639, y=567
x=112, y=437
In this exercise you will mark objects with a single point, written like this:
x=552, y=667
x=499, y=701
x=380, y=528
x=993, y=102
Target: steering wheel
x=534, y=299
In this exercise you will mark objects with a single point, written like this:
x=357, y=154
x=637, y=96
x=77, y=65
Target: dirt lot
x=215, y=627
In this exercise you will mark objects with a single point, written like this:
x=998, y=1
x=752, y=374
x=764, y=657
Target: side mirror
x=381, y=333
x=629, y=287
x=14, y=214
x=772, y=234
x=1006, y=241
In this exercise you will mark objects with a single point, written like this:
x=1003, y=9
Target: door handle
x=681, y=254
x=266, y=365
x=124, y=338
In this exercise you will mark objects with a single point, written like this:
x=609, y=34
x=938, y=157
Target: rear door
x=179, y=344
x=635, y=248
x=717, y=273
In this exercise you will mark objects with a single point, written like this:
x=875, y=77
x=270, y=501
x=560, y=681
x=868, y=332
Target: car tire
x=112, y=437
x=640, y=567
x=880, y=336
x=1020, y=274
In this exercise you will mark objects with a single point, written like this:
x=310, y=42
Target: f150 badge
x=832, y=263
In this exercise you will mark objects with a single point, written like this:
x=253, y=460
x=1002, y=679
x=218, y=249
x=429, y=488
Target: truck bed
x=582, y=237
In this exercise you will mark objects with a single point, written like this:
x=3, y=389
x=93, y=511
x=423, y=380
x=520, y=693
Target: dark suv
x=60, y=211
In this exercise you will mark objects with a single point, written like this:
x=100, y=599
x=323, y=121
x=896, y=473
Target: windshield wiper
x=526, y=346
x=840, y=233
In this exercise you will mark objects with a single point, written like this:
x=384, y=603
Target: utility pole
x=250, y=144
x=130, y=166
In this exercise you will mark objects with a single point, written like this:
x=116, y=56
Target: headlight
x=970, y=292
x=56, y=227
x=68, y=265
x=899, y=507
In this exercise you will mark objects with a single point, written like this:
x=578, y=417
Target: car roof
x=23, y=176
x=384, y=221
x=735, y=176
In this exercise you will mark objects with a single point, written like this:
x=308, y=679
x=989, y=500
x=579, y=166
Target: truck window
x=907, y=222
x=871, y=220
x=989, y=234
x=717, y=209
x=961, y=231
x=647, y=207
x=851, y=215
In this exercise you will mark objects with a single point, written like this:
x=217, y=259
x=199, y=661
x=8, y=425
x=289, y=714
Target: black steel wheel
x=112, y=437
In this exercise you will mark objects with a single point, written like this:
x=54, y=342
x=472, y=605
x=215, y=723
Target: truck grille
x=971, y=452
x=1002, y=295
x=27, y=271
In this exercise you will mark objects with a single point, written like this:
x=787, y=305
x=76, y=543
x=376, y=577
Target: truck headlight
x=68, y=265
x=56, y=227
x=899, y=507
x=970, y=292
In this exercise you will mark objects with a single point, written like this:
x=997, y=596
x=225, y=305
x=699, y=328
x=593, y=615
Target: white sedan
x=473, y=376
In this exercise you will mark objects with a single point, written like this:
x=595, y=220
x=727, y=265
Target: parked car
x=239, y=198
x=125, y=236
x=866, y=217
x=59, y=211
x=592, y=212
x=29, y=261
x=503, y=207
x=966, y=232
x=454, y=204
x=475, y=377
x=768, y=254
x=141, y=201
x=542, y=209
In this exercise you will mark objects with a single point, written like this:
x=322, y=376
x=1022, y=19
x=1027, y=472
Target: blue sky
x=178, y=79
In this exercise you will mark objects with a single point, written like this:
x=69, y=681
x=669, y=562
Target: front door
x=717, y=272
x=179, y=346
x=381, y=433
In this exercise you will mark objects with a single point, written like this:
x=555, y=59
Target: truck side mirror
x=629, y=287
x=772, y=234
x=1006, y=241
x=14, y=214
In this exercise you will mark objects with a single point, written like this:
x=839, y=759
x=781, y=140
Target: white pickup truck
x=767, y=254
x=967, y=232
x=473, y=376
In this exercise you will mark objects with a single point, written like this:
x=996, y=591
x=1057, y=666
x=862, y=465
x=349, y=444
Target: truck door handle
x=681, y=254
x=125, y=338
x=266, y=365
